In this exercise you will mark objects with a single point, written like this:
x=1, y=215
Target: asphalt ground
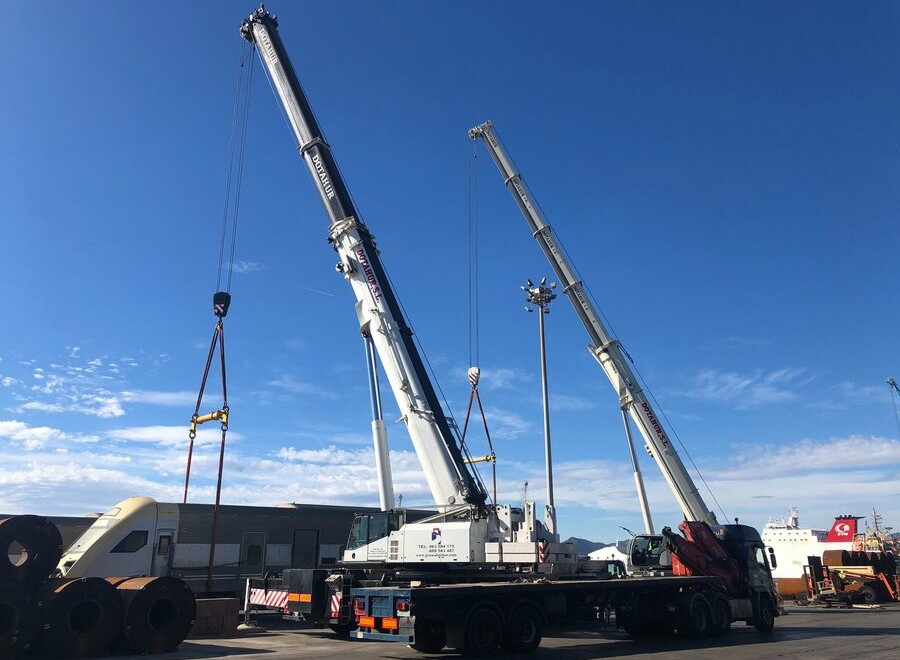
x=810, y=633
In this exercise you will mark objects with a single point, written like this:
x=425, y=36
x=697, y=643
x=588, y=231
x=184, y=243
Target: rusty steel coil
x=41, y=545
x=20, y=619
x=836, y=558
x=81, y=617
x=890, y=563
x=159, y=613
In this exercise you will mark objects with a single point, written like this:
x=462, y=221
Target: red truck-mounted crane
x=706, y=547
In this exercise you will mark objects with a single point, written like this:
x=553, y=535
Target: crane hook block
x=221, y=301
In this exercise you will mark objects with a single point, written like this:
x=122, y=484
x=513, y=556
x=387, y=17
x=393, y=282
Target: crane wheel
x=721, y=615
x=694, y=616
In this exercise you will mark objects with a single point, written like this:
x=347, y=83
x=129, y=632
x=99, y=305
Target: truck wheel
x=524, y=630
x=867, y=594
x=764, y=620
x=721, y=615
x=431, y=636
x=694, y=617
x=483, y=631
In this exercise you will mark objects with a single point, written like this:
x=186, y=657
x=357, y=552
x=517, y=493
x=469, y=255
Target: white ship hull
x=793, y=546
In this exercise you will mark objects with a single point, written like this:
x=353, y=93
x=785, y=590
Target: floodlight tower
x=540, y=296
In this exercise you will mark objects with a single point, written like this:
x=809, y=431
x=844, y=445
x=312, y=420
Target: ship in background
x=793, y=545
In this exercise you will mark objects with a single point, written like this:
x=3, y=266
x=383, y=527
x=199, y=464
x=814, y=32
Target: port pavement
x=804, y=632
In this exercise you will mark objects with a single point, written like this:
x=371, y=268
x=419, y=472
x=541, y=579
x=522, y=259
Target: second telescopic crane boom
x=603, y=347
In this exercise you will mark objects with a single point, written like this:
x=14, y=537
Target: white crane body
x=466, y=529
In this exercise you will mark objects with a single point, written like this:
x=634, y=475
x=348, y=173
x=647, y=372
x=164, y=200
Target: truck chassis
x=476, y=618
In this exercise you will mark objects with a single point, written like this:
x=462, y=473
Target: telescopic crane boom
x=603, y=347
x=380, y=315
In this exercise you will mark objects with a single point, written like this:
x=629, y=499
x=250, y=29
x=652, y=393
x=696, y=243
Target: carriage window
x=135, y=540
x=254, y=554
x=164, y=543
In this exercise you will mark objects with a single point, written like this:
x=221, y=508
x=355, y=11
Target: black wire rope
x=240, y=172
x=474, y=343
x=238, y=85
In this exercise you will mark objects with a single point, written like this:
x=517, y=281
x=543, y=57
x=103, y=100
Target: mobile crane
x=467, y=529
x=477, y=575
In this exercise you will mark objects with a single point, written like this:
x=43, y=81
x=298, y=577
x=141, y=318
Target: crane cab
x=368, y=540
x=647, y=553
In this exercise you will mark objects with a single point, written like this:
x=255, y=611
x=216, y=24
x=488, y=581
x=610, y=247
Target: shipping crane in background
x=468, y=529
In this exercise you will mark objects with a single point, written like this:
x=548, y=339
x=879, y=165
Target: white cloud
x=151, y=397
x=505, y=424
x=810, y=457
x=81, y=386
x=290, y=384
x=852, y=393
x=503, y=378
x=324, y=455
x=99, y=406
x=748, y=390
x=248, y=267
x=30, y=437
x=564, y=402
x=171, y=436
x=42, y=407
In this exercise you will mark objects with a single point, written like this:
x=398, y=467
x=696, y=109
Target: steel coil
x=41, y=549
x=890, y=563
x=20, y=619
x=81, y=617
x=159, y=613
x=836, y=558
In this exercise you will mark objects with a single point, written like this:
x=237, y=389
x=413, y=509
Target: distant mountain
x=584, y=546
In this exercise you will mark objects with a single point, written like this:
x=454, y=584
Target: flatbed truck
x=479, y=616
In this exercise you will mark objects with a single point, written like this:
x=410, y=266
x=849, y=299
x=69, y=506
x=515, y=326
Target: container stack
x=87, y=617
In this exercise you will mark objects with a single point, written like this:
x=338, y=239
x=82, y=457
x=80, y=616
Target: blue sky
x=723, y=177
